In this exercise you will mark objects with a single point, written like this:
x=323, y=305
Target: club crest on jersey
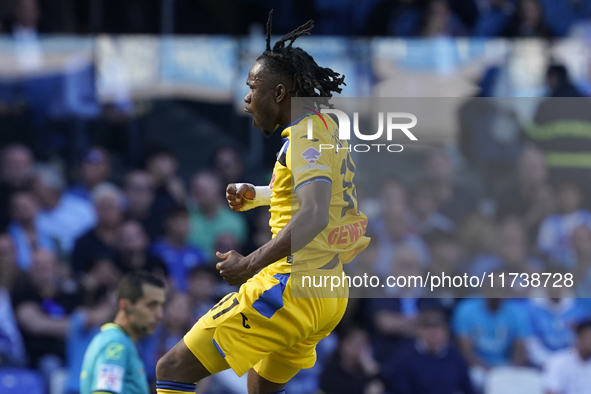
x=311, y=155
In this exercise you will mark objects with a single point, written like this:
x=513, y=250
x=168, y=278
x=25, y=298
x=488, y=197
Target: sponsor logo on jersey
x=348, y=233
x=311, y=155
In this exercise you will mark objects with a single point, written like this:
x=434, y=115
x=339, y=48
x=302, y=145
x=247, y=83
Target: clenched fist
x=236, y=195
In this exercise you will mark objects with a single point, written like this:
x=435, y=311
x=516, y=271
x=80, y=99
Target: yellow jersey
x=301, y=161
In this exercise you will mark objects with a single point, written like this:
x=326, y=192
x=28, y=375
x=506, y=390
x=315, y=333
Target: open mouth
x=253, y=117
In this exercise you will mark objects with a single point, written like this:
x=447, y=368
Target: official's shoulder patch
x=110, y=378
x=114, y=351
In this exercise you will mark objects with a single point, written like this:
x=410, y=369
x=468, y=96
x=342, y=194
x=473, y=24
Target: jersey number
x=226, y=309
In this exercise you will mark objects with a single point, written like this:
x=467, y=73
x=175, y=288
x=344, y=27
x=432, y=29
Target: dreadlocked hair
x=308, y=78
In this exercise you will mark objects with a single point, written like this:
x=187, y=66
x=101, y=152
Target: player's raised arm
x=311, y=219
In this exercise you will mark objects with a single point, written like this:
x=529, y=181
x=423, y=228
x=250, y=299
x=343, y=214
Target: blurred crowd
x=399, y=18
x=70, y=232
x=64, y=247
x=74, y=220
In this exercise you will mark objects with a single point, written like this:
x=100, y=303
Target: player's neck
x=122, y=321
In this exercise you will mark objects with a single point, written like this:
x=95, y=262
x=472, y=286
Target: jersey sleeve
x=110, y=367
x=310, y=160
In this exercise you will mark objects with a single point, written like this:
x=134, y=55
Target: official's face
x=147, y=312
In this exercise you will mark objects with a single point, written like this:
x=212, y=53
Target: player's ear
x=280, y=93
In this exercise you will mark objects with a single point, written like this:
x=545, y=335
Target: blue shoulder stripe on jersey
x=285, y=145
x=272, y=299
x=318, y=178
x=219, y=348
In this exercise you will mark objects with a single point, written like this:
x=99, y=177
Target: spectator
x=202, y=282
x=162, y=165
x=556, y=231
x=491, y=332
x=100, y=242
x=529, y=196
x=392, y=230
x=131, y=17
x=25, y=16
x=490, y=132
x=455, y=202
x=260, y=231
x=25, y=30
x=439, y=20
x=8, y=262
x=569, y=371
x=226, y=242
x=445, y=252
x=176, y=323
x=132, y=243
x=561, y=15
x=485, y=18
x=43, y=303
x=94, y=170
x=64, y=217
x=424, y=215
x=100, y=280
x=553, y=130
x=228, y=165
x=37, y=16
x=511, y=252
x=552, y=323
x=25, y=228
x=180, y=258
x=352, y=370
x=528, y=21
x=395, y=18
x=394, y=318
x=16, y=169
x=559, y=83
x=430, y=364
x=582, y=274
x=210, y=216
x=141, y=193
x=12, y=350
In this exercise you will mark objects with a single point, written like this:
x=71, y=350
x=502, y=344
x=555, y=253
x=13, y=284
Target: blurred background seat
x=514, y=380
x=20, y=381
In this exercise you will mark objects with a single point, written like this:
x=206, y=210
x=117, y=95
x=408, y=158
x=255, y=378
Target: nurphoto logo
x=344, y=131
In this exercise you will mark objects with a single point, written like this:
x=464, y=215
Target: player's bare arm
x=311, y=219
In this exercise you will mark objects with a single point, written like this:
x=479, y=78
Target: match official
x=111, y=362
